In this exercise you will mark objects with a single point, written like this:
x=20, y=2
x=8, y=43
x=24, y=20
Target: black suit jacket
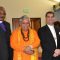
x=48, y=43
x=4, y=41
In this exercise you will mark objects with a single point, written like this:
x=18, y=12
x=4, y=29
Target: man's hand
x=56, y=53
x=28, y=50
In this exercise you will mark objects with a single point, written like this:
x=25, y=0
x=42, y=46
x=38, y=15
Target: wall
x=33, y=8
x=57, y=14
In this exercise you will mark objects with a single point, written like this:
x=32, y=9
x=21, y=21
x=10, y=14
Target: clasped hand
x=56, y=53
x=28, y=50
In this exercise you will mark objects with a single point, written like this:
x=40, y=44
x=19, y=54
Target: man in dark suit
x=49, y=37
x=5, y=33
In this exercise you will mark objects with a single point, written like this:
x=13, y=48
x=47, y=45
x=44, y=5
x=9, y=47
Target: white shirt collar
x=50, y=25
x=1, y=21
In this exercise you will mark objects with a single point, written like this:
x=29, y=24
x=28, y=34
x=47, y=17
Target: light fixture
x=56, y=7
x=57, y=0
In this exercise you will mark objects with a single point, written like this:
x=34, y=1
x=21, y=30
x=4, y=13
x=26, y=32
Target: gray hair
x=23, y=18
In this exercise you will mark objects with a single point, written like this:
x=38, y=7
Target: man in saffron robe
x=25, y=41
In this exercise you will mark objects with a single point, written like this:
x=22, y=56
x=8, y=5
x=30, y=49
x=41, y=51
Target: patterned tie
x=2, y=26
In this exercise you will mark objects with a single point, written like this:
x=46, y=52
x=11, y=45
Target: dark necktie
x=2, y=26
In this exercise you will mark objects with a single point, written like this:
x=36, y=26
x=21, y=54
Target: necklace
x=26, y=38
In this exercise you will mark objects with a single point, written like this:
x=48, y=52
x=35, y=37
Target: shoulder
x=15, y=31
x=42, y=28
x=33, y=30
x=57, y=29
x=6, y=23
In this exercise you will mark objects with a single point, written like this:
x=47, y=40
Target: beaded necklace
x=25, y=38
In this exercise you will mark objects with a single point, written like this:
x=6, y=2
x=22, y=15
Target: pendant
x=26, y=39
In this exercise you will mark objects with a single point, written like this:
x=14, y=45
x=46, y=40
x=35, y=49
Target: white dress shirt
x=51, y=27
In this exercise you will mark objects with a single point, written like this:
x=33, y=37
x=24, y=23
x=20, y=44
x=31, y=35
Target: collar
x=50, y=25
x=1, y=21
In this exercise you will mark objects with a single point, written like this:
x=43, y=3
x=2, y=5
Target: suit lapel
x=5, y=25
x=57, y=34
x=51, y=38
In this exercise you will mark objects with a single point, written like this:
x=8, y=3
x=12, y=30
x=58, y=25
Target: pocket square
x=59, y=33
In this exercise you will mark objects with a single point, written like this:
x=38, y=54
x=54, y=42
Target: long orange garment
x=18, y=45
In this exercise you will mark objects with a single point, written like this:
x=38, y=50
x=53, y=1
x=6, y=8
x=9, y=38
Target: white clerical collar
x=1, y=21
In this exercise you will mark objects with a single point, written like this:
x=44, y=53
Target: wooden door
x=35, y=23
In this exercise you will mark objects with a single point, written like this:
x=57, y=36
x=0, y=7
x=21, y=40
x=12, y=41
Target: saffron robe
x=18, y=44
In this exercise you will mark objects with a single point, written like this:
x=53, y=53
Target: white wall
x=35, y=8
